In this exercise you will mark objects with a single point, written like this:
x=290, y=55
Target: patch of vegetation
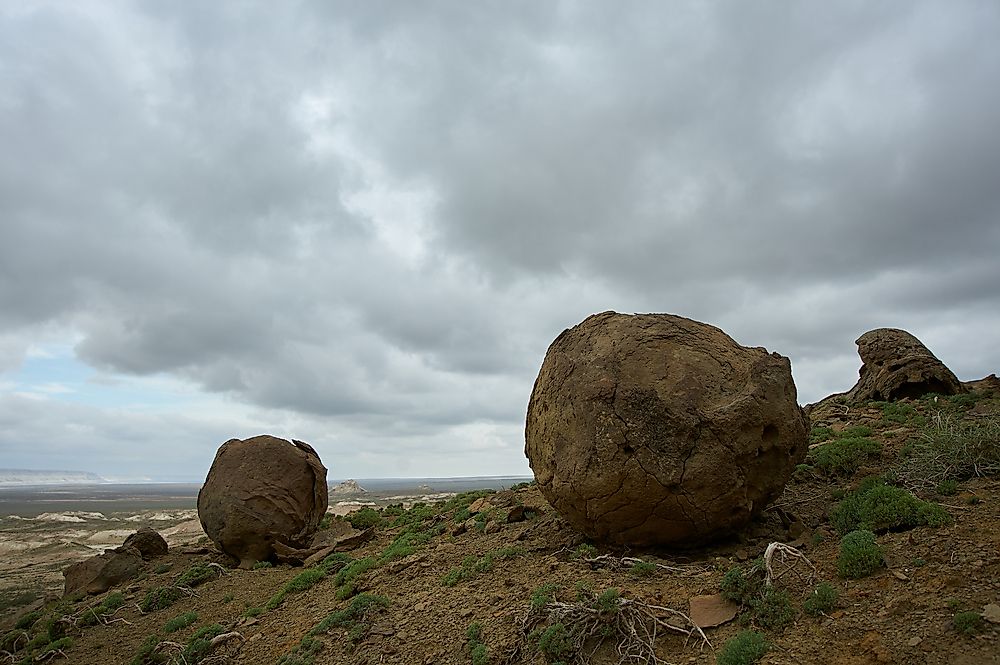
x=820, y=434
x=642, y=569
x=17, y=599
x=747, y=648
x=335, y=562
x=477, y=648
x=180, y=621
x=845, y=455
x=28, y=620
x=968, y=623
x=260, y=565
x=543, y=595
x=162, y=568
x=147, y=654
x=555, y=642
x=197, y=575
x=252, y=612
x=764, y=605
x=821, y=600
x=228, y=598
x=860, y=555
x=471, y=566
x=303, y=654
x=876, y=506
x=404, y=545
x=520, y=486
x=325, y=522
x=304, y=580
x=97, y=613
x=200, y=643
x=346, y=579
x=353, y=617
x=952, y=449
x=365, y=518
x=947, y=487
x=584, y=551
x=900, y=413
x=160, y=598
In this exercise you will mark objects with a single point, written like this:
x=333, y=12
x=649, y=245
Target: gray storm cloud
x=366, y=222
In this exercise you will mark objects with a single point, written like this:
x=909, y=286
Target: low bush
x=160, y=598
x=555, y=642
x=197, y=575
x=28, y=620
x=304, y=580
x=303, y=654
x=642, y=569
x=951, y=449
x=260, y=565
x=860, y=555
x=200, y=643
x=746, y=648
x=471, y=566
x=542, y=596
x=845, y=455
x=477, y=648
x=968, y=623
x=876, y=506
x=97, y=613
x=147, y=654
x=180, y=621
x=353, y=617
x=365, y=518
x=821, y=600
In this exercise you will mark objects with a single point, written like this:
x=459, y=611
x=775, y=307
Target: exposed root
x=632, y=625
x=787, y=557
x=625, y=562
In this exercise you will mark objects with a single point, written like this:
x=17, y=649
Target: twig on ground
x=618, y=563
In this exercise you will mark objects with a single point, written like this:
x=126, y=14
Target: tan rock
x=654, y=429
x=711, y=611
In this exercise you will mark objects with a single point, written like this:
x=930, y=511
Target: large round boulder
x=654, y=429
x=895, y=364
x=262, y=491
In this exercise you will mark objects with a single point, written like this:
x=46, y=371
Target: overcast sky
x=361, y=224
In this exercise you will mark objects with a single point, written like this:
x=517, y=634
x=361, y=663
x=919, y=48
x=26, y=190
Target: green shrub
x=303, y=654
x=951, y=449
x=556, y=643
x=746, y=648
x=96, y=613
x=335, y=562
x=162, y=568
x=876, y=506
x=773, y=610
x=744, y=586
x=845, y=455
x=820, y=434
x=542, y=596
x=352, y=617
x=365, y=518
x=147, y=654
x=404, y=545
x=821, y=600
x=860, y=555
x=200, y=643
x=968, y=623
x=28, y=620
x=304, y=580
x=160, y=598
x=607, y=602
x=346, y=579
x=642, y=569
x=947, y=487
x=897, y=412
x=180, y=621
x=584, y=551
x=471, y=566
x=196, y=575
x=477, y=648
x=252, y=612
x=62, y=644
x=260, y=565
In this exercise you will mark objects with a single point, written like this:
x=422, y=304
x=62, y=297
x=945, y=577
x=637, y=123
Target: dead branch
x=624, y=562
x=784, y=552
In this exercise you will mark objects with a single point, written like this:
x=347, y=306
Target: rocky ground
x=500, y=578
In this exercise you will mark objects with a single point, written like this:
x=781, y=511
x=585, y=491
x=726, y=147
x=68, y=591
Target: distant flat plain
x=33, y=500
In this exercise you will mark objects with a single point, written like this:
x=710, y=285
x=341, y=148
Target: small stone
x=492, y=526
x=713, y=610
x=914, y=641
x=742, y=554
x=479, y=505
x=991, y=613
x=900, y=576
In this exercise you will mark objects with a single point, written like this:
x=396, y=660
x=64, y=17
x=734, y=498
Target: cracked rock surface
x=896, y=365
x=654, y=429
x=262, y=491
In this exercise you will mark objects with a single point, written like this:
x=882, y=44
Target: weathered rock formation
x=104, y=571
x=148, y=542
x=895, y=364
x=656, y=429
x=260, y=492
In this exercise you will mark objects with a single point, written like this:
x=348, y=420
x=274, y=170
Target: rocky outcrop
x=261, y=492
x=656, y=429
x=895, y=365
x=104, y=571
x=148, y=542
x=347, y=488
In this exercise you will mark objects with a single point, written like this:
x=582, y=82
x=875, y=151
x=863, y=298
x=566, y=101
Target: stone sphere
x=262, y=491
x=654, y=429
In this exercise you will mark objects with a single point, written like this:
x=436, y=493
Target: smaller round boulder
x=262, y=491
x=148, y=541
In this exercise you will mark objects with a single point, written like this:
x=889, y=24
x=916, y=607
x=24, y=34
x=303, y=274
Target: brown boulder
x=104, y=571
x=656, y=429
x=262, y=491
x=149, y=543
x=895, y=364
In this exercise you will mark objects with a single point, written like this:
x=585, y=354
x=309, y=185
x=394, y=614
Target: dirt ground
x=904, y=613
